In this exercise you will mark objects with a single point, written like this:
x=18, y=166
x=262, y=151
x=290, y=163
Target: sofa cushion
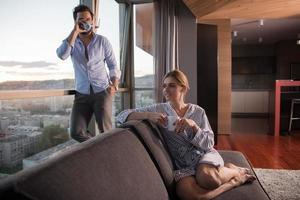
x=114, y=165
x=150, y=136
x=246, y=191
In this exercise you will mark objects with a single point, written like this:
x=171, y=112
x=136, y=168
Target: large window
x=32, y=130
x=31, y=31
x=143, y=54
x=108, y=23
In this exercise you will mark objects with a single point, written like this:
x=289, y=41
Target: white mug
x=171, y=122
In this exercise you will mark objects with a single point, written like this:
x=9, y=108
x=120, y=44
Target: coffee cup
x=85, y=26
x=171, y=122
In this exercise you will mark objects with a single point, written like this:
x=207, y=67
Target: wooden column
x=224, y=73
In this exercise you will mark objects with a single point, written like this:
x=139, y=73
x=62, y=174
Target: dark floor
x=250, y=125
x=250, y=136
x=265, y=151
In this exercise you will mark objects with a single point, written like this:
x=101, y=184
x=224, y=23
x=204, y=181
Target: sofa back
x=126, y=163
x=149, y=134
x=114, y=165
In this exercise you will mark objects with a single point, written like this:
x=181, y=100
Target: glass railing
x=35, y=126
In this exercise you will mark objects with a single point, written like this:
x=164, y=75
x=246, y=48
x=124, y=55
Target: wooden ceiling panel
x=250, y=9
x=204, y=7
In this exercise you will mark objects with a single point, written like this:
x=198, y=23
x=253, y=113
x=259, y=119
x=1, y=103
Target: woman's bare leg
x=188, y=189
x=241, y=169
x=211, y=177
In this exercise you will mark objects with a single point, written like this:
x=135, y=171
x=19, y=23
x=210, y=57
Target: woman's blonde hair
x=179, y=76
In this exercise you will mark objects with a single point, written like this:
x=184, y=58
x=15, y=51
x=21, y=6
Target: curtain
x=166, y=53
x=125, y=18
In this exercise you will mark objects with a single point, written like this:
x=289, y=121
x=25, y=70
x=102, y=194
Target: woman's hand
x=184, y=123
x=158, y=118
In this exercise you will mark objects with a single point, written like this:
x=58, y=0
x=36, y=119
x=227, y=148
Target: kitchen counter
x=250, y=89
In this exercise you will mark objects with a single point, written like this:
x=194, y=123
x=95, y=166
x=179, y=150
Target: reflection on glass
x=117, y=107
x=143, y=48
x=109, y=27
x=109, y=24
x=144, y=98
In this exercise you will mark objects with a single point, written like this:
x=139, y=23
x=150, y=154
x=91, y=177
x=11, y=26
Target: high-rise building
x=19, y=142
x=49, y=153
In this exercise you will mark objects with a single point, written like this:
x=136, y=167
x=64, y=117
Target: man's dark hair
x=81, y=8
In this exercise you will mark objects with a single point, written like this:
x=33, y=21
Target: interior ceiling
x=281, y=18
x=271, y=32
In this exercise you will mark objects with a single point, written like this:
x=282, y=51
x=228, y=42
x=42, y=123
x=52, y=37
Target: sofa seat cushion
x=114, y=165
x=246, y=191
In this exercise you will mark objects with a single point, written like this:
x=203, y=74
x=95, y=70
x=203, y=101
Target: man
x=94, y=86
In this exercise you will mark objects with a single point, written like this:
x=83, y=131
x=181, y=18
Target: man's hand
x=113, y=86
x=111, y=90
x=115, y=82
x=77, y=30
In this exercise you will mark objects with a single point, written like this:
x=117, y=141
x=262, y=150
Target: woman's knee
x=188, y=189
x=208, y=178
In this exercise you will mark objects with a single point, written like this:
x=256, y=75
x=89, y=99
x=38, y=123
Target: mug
x=171, y=122
x=85, y=26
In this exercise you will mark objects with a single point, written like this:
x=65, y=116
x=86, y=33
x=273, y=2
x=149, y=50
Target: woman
x=200, y=171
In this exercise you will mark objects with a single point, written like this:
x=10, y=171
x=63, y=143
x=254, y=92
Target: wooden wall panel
x=224, y=74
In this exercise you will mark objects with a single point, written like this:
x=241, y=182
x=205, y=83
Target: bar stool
x=294, y=101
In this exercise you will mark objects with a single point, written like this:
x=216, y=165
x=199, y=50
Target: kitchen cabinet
x=250, y=102
x=254, y=65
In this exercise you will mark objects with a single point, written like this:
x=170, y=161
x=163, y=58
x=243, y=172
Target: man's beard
x=87, y=32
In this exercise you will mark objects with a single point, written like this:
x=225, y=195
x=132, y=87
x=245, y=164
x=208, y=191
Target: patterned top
x=186, y=148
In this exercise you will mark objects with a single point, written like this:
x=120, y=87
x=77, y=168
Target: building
x=4, y=123
x=12, y=151
x=19, y=142
x=61, y=120
x=20, y=130
x=49, y=153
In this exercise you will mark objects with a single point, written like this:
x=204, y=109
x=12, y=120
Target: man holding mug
x=94, y=85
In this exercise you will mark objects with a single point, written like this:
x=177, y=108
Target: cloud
x=26, y=64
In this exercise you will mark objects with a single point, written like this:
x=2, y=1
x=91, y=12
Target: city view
x=33, y=130
x=30, y=126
